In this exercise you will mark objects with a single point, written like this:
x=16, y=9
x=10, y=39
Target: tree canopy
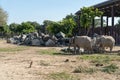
x=3, y=17
x=66, y=25
x=87, y=15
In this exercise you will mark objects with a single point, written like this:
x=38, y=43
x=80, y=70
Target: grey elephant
x=84, y=42
x=105, y=41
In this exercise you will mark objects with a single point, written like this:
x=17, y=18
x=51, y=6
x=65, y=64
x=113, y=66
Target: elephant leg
x=79, y=50
x=111, y=49
x=74, y=49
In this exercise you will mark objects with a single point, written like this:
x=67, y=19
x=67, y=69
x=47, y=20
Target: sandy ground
x=15, y=65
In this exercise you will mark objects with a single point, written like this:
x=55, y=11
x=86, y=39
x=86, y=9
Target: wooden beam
x=101, y=25
x=112, y=14
x=106, y=29
x=93, y=27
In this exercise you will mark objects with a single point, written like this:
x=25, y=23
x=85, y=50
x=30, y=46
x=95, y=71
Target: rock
x=35, y=34
x=50, y=43
x=22, y=37
x=60, y=35
x=46, y=38
x=35, y=42
x=27, y=41
x=13, y=40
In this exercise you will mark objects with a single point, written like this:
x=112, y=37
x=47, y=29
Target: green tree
x=14, y=28
x=35, y=24
x=68, y=24
x=3, y=17
x=87, y=15
x=26, y=27
x=54, y=27
x=6, y=31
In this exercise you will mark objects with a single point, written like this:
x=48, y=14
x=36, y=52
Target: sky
x=40, y=10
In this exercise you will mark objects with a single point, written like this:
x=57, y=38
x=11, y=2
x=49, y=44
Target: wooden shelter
x=110, y=9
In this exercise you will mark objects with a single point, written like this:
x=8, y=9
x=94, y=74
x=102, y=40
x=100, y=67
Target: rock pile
x=35, y=39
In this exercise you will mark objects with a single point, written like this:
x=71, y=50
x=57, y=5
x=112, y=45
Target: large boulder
x=14, y=40
x=27, y=40
x=22, y=37
x=50, y=43
x=60, y=35
x=35, y=42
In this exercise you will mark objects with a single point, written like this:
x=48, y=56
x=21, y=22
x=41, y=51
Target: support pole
x=106, y=33
x=112, y=14
x=93, y=27
x=101, y=30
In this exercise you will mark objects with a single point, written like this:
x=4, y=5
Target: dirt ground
x=16, y=65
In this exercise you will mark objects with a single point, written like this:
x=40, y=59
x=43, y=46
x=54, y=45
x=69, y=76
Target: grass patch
x=100, y=58
x=62, y=76
x=52, y=51
x=110, y=68
x=13, y=49
x=81, y=69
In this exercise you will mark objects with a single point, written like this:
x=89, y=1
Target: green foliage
x=47, y=22
x=87, y=15
x=14, y=28
x=110, y=69
x=6, y=29
x=66, y=25
x=27, y=27
x=3, y=17
x=54, y=27
x=36, y=25
x=100, y=59
x=49, y=51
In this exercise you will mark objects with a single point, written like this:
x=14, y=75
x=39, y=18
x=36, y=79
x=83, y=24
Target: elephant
x=84, y=42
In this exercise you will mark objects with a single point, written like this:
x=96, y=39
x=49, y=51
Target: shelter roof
x=106, y=7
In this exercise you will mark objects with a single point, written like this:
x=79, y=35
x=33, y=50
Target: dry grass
x=52, y=66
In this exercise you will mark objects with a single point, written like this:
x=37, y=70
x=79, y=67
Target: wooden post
x=106, y=33
x=112, y=14
x=79, y=32
x=93, y=27
x=107, y=21
x=101, y=32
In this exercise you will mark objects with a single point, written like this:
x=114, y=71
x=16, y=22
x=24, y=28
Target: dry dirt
x=15, y=65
